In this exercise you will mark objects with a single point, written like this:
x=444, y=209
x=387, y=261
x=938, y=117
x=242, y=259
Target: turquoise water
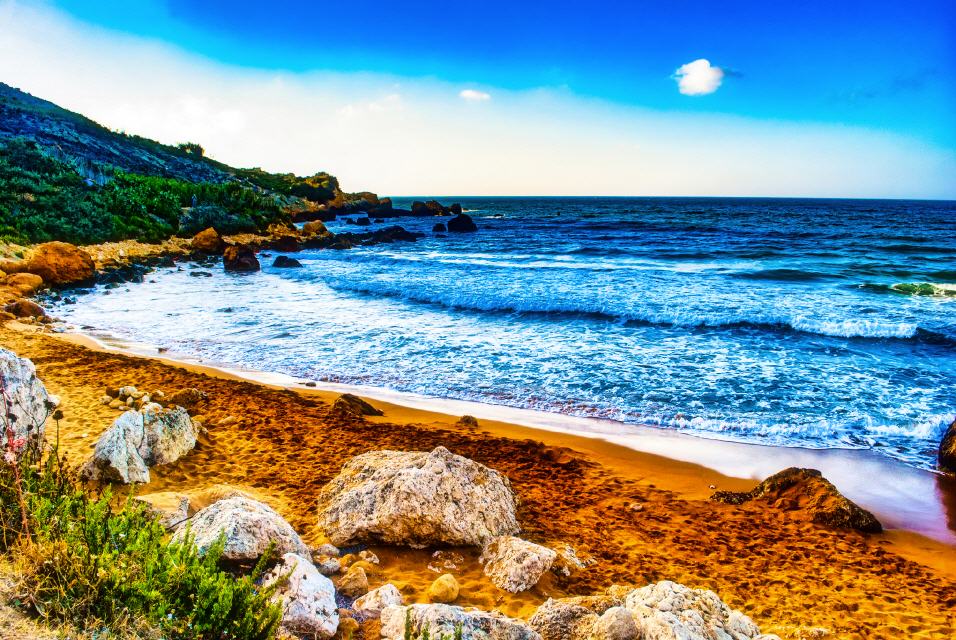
x=772, y=321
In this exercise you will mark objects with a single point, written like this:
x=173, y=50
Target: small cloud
x=473, y=95
x=698, y=78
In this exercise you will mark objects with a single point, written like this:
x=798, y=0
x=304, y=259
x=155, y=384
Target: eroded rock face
x=442, y=620
x=207, y=241
x=514, y=564
x=807, y=490
x=139, y=440
x=417, y=499
x=249, y=527
x=29, y=404
x=307, y=598
x=61, y=263
x=239, y=258
x=947, y=449
x=370, y=605
x=660, y=611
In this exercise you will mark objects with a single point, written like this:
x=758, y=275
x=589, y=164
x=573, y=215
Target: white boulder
x=514, y=564
x=417, y=499
x=28, y=403
x=370, y=605
x=307, y=598
x=442, y=620
x=249, y=526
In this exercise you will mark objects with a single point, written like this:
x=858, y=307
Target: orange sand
x=641, y=517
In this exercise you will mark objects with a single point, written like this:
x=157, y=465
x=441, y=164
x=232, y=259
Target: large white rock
x=442, y=620
x=28, y=404
x=661, y=611
x=139, y=440
x=514, y=564
x=418, y=499
x=307, y=598
x=249, y=526
x=370, y=605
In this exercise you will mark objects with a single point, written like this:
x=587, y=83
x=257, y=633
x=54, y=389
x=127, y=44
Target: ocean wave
x=862, y=328
x=782, y=275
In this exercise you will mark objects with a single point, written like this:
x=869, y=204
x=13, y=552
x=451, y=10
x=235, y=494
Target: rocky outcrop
x=249, y=527
x=207, y=241
x=58, y=263
x=807, y=490
x=417, y=499
x=351, y=405
x=239, y=258
x=660, y=611
x=306, y=596
x=514, y=564
x=947, y=449
x=28, y=403
x=139, y=440
x=462, y=223
x=370, y=605
x=285, y=262
x=442, y=620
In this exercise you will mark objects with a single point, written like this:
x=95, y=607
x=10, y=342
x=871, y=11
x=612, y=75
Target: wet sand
x=642, y=517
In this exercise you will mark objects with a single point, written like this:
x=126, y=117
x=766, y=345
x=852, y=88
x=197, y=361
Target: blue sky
x=862, y=88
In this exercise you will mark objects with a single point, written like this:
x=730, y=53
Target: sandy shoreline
x=911, y=500
x=642, y=516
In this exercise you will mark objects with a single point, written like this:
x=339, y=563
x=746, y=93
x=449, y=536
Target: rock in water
x=807, y=490
x=137, y=441
x=29, y=405
x=285, y=262
x=307, y=598
x=661, y=611
x=370, y=605
x=417, y=498
x=354, y=583
x=444, y=589
x=514, y=564
x=353, y=405
x=462, y=223
x=947, y=449
x=442, y=620
x=439, y=228
x=249, y=527
x=207, y=241
x=61, y=263
x=239, y=258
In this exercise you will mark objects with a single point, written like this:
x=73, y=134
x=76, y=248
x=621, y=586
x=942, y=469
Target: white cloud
x=398, y=135
x=473, y=95
x=698, y=78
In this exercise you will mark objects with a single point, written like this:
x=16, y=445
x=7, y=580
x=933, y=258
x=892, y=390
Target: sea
x=790, y=322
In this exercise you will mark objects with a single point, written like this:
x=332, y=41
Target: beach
x=641, y=517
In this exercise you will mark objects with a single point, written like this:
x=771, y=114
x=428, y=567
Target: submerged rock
x=442, y=620
x=139, y=440
x=29, y=405
x=514, y=564
x=306, y=596
x=807, y=490
x=947, y=449
x=349, y=404
x=285, y=262
x=249, y=526
x=417, y=498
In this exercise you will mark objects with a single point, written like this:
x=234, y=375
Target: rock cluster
x=417, y=499
x=442, y=620
x=139, y=440
x=807, y=490
x=661, y=611
x=129, y=397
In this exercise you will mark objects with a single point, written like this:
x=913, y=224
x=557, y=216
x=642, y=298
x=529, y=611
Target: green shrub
x=86, y=563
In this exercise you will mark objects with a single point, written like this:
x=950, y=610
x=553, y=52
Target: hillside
x=66, y=177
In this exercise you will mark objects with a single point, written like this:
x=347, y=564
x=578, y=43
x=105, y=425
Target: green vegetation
x=82, y=562
x=320, y=187
x=43, y=199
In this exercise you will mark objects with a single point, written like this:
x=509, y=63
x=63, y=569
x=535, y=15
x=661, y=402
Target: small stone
x=444, y=589
x=106, y=400
x=354, y=583
x=328, y=549
x=327, y=565
x=368, y=556
x=371, y=604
